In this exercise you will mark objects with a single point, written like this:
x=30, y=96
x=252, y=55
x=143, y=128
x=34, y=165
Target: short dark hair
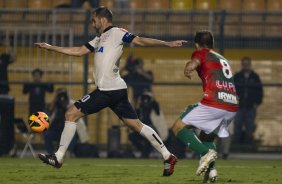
x=104, y=12
x=246, y=59
x=37, y=70
x=204, y=38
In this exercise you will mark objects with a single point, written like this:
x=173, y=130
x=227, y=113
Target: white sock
x=155, y=140
x=66, y=137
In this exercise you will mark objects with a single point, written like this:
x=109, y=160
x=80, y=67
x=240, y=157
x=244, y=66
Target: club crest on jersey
x=100, y=49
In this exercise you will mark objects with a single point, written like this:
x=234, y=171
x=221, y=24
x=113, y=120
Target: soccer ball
x=38, y=122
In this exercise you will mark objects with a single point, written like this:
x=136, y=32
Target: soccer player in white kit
x=111, y=89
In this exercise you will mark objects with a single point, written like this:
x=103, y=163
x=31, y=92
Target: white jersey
x=108, y=50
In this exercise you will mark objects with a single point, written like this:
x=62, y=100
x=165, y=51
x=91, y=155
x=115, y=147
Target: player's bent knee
x=177, y=126
x=73, y=114
x=69, y=116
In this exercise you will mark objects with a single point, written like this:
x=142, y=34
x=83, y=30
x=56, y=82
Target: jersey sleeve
x=198, y=55
x=124, y=36
x=92, y=45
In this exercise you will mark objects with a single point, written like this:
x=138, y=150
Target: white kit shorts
x=208, y=119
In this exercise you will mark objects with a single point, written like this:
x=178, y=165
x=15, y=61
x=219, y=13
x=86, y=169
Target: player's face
x=197, y=46
x=96, y=23
x=36, y=77
x=246, y=65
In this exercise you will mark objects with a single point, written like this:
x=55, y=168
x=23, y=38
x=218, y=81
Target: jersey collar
x=108, y=28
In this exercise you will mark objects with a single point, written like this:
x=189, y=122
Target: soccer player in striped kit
x=111, y=89
x=215, y=111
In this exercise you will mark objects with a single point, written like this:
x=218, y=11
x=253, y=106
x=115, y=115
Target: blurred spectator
x=56, y=111
x=147, y=106
x=225, y=143
x=5, y=60
x=137, y=77
x=121, y=4
x=250, y=92
x=79, y=3
x=36, y=90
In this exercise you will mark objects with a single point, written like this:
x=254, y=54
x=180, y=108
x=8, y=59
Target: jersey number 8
x=226, y=69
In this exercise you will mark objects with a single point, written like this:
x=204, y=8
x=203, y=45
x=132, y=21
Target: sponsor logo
x=105, y=37
x=101, y=49
x=227, y=86
x=227, y=97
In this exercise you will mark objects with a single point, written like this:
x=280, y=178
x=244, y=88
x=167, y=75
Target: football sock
x=66, y=138
x=189, y=138
x=155, y=140
x=210, y=145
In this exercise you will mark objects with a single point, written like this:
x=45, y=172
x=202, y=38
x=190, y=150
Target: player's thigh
x=73, y=114
x=202, y=117
x=125, y=111
x=179, y=125
x=93, y=102
x=121, y=105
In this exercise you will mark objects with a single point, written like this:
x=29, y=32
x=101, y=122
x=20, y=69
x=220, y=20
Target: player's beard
x=97, y=31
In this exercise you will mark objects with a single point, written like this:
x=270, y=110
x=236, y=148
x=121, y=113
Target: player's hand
x=176, y=43
x=43, y=45
x=188, y=74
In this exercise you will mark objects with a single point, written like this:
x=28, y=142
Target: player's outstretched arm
x=190, y=67
x=154, y=42
x=72, y=51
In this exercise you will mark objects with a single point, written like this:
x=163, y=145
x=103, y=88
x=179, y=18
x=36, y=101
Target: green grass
x=134, y=171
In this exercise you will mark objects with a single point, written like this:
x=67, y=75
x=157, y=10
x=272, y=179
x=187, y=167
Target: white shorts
x=208, y=119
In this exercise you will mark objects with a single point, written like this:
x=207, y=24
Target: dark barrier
x=6, y=124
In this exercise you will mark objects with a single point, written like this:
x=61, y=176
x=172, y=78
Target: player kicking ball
x=215, y=111
x=111, y=89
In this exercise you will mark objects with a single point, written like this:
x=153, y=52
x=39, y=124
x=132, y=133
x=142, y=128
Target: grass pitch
x=134, y=171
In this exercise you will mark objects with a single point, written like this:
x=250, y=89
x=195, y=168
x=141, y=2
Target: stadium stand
x=15, y=4
x=253, y=5
x=108, y=3
x=39, y=4
x=272, y=20
x=60, y=3
x=252, y=24
x=158, y=4
x=229, y=4
x=181, y=4
x=274, y=5
x=1, y=4
x=231, y=27
x=137, y=4
x=205, y=4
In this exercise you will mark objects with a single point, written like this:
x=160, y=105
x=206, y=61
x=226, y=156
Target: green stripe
x=188, y=109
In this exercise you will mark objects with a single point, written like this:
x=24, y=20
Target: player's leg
x=238, y=127
x=68, y=133
x=127, y=114
x=249, y=122
x=187, y=136
x=88, y=104
x=208, y=140
x=155, y=140
x=149, y=133
x=141, y=144
x=201, y=117
x=72, y=114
